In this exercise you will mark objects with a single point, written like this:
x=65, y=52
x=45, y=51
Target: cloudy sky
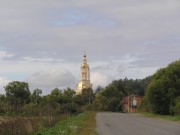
x=42, y=41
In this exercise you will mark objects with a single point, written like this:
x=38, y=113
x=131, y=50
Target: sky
x=42, y=42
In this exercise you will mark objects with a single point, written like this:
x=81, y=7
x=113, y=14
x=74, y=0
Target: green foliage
x=143, y=107
x=69, y=126
x=30, y=109
x=18, y=90
x=55, y=95
x=36, y=96
x=108, y=99
x=4, y=107
x=17, y=94
x=18, y=100
x=71, y=108
x=162, y=92
x=58, y=102
x=69, y=94
x=128, y=86
x=86, y=98
x=176, y=108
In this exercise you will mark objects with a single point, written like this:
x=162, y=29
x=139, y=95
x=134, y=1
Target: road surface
x=133, y=124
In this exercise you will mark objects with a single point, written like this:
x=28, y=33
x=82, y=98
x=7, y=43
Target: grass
x=26, y=125
x=82, y=124
x=175, y=118
x=90, y=125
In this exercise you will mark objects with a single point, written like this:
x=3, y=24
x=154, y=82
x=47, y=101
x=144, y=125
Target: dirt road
x=132, y=124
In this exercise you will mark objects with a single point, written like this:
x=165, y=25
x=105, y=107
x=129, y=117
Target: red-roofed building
x=131, y=102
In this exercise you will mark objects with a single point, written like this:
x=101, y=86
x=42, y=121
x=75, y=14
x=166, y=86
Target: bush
x=70, y=108
x=162, y=92
x=177, y=106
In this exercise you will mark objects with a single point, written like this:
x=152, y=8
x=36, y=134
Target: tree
x=36, y=96
x=128, y=86
x=176, y=108
x=164, y=89
x=17, y=94
x=88, y=96
x=98, y=89
x=69, y=95
x=56, y=95
x=4, y=107
x=108, y=99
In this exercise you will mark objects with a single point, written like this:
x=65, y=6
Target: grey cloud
x=4, y=54
x=48, y=80
x=99, y=79
x=3, y=82
x=35, y=35
x=102, y=67
x=43, y=59
x=141, y=35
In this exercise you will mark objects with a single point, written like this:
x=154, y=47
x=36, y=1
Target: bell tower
x=85, y=71
x=84, y=77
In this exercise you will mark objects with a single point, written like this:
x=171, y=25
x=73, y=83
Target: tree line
x=18, y=99
x=160, y=92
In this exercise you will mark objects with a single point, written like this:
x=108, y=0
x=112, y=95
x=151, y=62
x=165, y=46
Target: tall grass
x=26, y=125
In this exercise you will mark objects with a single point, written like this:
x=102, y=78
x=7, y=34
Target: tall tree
x=164, y=89
x=17, y=94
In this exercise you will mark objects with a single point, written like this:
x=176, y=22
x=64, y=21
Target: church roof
x=84, y=64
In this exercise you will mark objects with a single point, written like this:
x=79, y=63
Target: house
x=131, y=102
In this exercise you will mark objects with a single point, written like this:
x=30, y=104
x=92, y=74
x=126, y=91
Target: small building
x=131, y=102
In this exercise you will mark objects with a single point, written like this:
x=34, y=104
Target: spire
x=84, y=60
x=84, y=53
